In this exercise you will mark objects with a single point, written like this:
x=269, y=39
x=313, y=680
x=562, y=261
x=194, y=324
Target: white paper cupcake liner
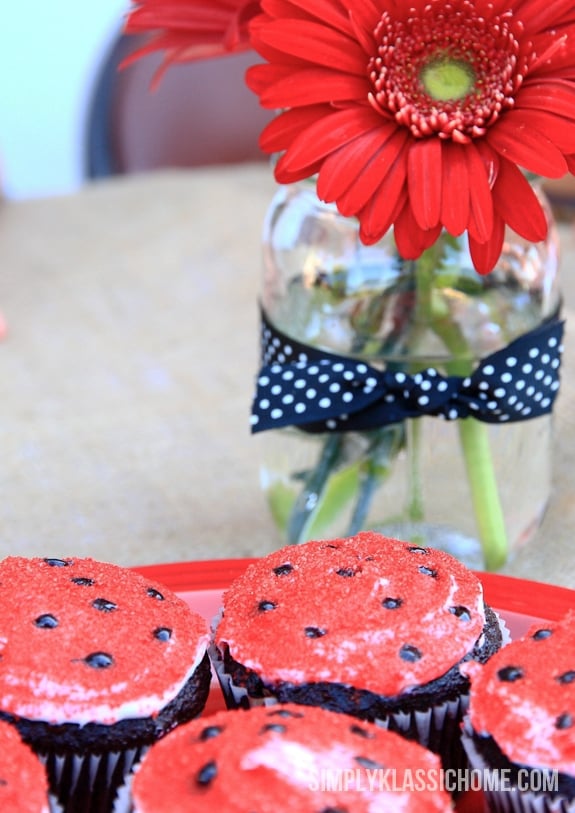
x=513, y=800
x=123, y=800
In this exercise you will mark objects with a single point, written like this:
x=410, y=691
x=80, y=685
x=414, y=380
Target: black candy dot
x=211, y=731
x=285, y=713
x=409, y=653
x=46, y=621
x=277, y=727
x=417, y=549
x=361, y=732
x=83, y=581
x=391, y=603
x=265, y=606
x=283, y=570
x=153, y=593
x=540, y=635
x=346, y=572
x=104, y=605
x=566, y=677
x=314, y=632
x=333, y=810
x=163, y=633
x=460, y=612
x=99, y=660
x=207, y=773
x=370, y=764
x=427, y=571
x=509, y=674
x=564, y=721
x=58, y=562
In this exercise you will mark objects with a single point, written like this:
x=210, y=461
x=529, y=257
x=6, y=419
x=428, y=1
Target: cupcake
x=370, y=626
x=520, y=727
x=287, y=758
x=96, y=663
x=23, y=782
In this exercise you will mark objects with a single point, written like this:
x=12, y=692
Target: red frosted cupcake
x=97, y=662
x=374, y=627
x=521, y=721
x=23, y=782
x=287, y=758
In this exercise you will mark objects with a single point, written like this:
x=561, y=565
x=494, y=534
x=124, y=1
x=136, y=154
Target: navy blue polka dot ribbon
x=299, y=385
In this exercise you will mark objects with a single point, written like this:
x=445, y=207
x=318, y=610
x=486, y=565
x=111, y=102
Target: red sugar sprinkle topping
x=371, y=612
x=23, y=783
x=272, y=756
x=524, y=697
x=80, y=640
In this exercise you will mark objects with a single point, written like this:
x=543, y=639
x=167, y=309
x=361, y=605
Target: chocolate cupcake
x=97, y=663
x=23, y=782
x=287, y=758
x=370, y=626
x=519, y=732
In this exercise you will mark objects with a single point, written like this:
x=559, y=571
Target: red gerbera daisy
x=419, y=114
x=191, y=29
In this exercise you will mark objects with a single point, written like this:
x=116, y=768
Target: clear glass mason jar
x=414, y=479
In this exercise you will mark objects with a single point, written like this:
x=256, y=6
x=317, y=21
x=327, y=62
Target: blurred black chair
x=201, y=113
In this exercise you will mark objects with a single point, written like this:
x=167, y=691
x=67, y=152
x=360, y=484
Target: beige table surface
x=126, y=377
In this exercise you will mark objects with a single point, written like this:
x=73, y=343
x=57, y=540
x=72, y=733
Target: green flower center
x=447, y=79
x=447, y=74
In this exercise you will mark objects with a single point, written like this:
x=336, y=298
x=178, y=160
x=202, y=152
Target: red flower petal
x=561, y=131
x=360, y=163
x=281, y=131
x=536, y=15
x=454, y=188
x=328, y=134
x=310, y=86
x=481, y=203
x=375, y=220
x=315, y=43
x=517, y=203
x=286, y=176
x=330, y=12
x=383, y=179
x=260, y=77
x=410, y=238
x=485, y=255
x=557, y=97
x=365, y=13
x=424, y=181
x=513, y=139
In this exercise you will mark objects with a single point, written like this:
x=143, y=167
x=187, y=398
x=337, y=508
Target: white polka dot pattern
x=299, y=385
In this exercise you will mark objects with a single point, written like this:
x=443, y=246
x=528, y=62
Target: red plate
x=520, y=602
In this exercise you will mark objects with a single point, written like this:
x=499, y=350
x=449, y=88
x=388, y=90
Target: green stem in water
x=484, y=492
x=474, y=439
x=313, y=487
x=376, y=468
x=415, y=509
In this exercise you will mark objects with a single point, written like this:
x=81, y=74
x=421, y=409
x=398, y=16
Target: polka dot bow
x=299, y=385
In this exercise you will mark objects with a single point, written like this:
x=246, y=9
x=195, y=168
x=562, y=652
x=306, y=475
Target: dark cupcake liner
x=88, y=784
x=435, y=726
x=511, y=799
